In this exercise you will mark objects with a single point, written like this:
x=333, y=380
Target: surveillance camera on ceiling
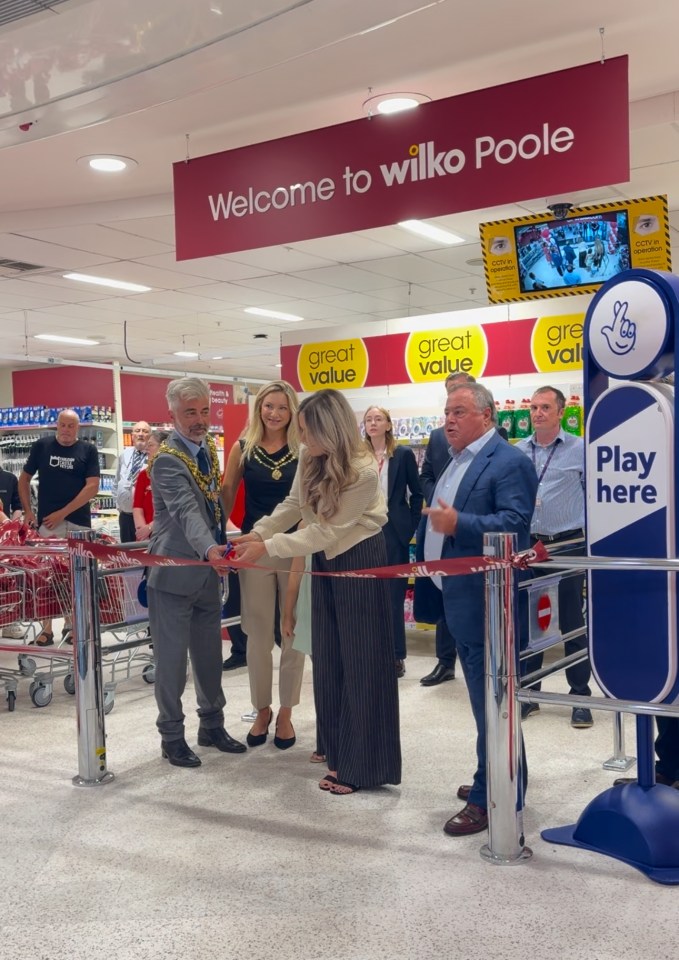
x=560, y=210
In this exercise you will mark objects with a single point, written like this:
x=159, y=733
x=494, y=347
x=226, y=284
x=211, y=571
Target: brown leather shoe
x=470, y=819
x=464, y=790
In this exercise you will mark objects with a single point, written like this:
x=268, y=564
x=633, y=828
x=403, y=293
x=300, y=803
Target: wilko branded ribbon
x=451, y=567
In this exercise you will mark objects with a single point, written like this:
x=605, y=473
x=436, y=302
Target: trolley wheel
x=148, y=674
x=69, y=683
x=27, y=665
x=11, y=700
x=41, y=695
x=109, y=702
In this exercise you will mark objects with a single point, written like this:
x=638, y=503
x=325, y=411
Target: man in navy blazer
x=488, y=486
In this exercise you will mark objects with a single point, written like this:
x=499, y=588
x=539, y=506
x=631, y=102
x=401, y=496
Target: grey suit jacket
x=182, y=524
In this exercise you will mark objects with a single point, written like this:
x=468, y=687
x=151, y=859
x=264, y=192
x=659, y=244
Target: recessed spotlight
x=107, y=163
x=274, y=314
x=279, y=365
x=57, y=338
x=431, y=232
x=185, y=353
x=393, y=102
x=106, y=282
x=216, y=358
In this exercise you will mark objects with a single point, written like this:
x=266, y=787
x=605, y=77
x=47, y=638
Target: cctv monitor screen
x=576, y=252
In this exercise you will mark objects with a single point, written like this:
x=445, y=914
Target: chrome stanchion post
x=89, y=697
x=619, y=760
x=504, y=756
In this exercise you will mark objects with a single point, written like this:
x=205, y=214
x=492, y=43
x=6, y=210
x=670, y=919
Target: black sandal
x=327, y=782
x=45, y=639
x=351, y=788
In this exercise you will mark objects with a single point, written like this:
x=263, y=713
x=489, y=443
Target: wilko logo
x=431, y=356
x=556, y=343
x=342, y=364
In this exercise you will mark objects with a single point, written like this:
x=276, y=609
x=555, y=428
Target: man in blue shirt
x=559, y=460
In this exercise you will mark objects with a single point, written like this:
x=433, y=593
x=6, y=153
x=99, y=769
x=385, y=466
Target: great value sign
x=524, y=139
x=545, y=345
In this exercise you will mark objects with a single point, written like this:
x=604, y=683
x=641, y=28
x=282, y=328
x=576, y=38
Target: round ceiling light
x=103, y=163
x=387, y=103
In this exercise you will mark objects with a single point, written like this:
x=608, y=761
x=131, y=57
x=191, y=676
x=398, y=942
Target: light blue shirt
x=560, y=466
x=446, y=489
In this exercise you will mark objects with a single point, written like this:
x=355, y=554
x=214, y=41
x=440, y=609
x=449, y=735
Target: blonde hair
x=255, y=430
x=389, y=439
x=330, y=422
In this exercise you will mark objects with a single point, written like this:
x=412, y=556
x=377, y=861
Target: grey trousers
x=182, y=626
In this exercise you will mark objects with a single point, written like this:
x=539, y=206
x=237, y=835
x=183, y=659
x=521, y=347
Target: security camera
x=560, y=210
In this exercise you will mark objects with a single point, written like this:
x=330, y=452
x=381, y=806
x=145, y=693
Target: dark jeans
x=571, y=617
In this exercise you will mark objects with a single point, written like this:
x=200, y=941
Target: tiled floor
x=246, y=858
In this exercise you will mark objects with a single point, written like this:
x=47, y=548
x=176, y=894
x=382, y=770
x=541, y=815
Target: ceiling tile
x=407, y=294
x=97, y=239
x=411, y=268
x=152, y=228
x=205, y=268
x=13, y=246
x=345, y=248
x=285, y=286
x=278, y=259
x=360, y=302
x=236, y=293
x=343, y=277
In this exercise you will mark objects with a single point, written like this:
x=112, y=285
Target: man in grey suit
x=185, y=603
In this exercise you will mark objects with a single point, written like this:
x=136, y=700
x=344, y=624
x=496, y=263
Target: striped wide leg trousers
x=355, y=684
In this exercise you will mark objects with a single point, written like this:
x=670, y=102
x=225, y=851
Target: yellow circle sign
x=433, y=355
x=341, y=364
x=556, y=343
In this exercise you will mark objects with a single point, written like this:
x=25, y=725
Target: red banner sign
x=562, y=131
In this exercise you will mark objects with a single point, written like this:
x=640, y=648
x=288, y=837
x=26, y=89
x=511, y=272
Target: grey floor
x=247, y=858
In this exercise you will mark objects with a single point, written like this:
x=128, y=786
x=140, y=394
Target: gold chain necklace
x=203, y=481
x=273, y=465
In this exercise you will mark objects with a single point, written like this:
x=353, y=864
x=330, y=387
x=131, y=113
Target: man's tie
x=203, y=461
x=138, y=458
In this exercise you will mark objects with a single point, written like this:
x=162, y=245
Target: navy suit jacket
x=497, y=495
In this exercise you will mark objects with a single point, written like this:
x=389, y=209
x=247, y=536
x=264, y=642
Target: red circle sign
x=544, y=611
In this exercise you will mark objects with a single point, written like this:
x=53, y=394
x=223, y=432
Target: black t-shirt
x=263, y=493
x=9, y=492
x=62, y=472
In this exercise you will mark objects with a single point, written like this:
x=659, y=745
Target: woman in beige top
x=337, y=493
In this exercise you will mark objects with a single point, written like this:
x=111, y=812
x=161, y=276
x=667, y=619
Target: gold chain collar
x=204, y=483
x=273, y=465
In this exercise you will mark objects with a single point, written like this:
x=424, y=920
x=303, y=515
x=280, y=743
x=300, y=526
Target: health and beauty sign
x=530, y=258
x=543, y=345
x=562, y=131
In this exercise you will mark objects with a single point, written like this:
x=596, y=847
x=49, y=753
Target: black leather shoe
x=438, y=675
x=179, y=753
x=284, y=743
x=400, y=668
x=234, y=662
x=257, y=739
x=529, y=708
x=218, y=737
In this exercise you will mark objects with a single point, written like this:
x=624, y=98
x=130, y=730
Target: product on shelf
x=506, y=418
x=572, y=416
x=522, y=422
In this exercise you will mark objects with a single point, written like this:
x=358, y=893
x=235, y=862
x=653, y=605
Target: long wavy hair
x=255, y=431
x=389, y=438
x=330, y=422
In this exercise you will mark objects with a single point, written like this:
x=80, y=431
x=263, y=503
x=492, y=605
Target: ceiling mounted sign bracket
x=602, y=31
x=187, y=137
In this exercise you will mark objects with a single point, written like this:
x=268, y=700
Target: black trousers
x=571, y=617
x=127, y=532
x=355, y=684
x=667, y=747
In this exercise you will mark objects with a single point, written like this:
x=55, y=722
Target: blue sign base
x=635, y=824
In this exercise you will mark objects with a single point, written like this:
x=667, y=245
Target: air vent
x=12, y=10
x=15, y=268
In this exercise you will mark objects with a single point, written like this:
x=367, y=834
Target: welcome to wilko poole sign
x=524, y=139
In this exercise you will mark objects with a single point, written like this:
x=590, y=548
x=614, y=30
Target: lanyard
x=547, y=461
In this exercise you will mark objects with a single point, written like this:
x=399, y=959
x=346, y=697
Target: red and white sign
x=544, y=611
x=562, y=131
